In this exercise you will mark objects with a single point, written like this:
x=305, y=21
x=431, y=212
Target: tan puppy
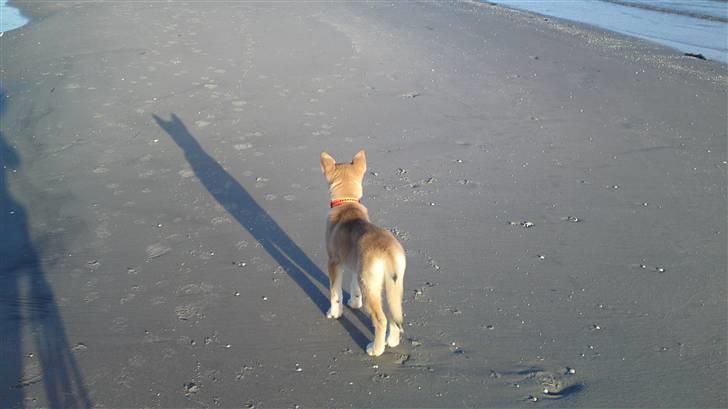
x=372, y=254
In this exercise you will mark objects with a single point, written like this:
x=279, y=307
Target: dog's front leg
x=336, y=296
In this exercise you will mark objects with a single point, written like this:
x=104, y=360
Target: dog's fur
x=372, y=254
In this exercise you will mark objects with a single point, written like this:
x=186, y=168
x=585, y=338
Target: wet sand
x=560, y=191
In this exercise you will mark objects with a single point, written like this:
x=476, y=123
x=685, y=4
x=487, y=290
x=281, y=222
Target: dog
x=374, y=256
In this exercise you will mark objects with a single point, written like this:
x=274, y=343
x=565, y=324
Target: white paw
x=354, y=302
x=392, y=339
x=334, y=312
x=371, y=351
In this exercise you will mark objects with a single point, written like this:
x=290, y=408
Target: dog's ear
x=327, y=164
x=360, y=161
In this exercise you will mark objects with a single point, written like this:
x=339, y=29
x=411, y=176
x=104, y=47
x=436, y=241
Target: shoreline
x=166, y=191
x=632, y=46
x=604, y=17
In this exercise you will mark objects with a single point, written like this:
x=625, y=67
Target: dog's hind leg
x=372, y=280
x=336, y=297
x=394, y=286
x=355, y=293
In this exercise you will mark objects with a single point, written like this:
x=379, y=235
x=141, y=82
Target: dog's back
x=353, y=237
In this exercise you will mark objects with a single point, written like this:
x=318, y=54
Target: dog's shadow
x=230, y=194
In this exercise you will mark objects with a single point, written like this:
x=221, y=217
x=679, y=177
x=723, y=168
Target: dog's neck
x=343, y=200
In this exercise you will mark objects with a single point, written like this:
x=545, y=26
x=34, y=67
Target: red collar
x=339, y=202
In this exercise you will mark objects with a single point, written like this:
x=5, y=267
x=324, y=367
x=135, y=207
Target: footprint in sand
x=93, y=265
x=168, y=353
x=124, y=378
x=215, y=221
x=268, y=316
x=137, y=361
x=433, y=263
x=399, y=234
x=186, y=173
x=91, y=284
x=119, y=324
x=194, y=289
x=147, y=174
x=189, y=312
x=79, y=347
x=156, y=250
x=91, y=297
x=543, y=384
x=102, y=231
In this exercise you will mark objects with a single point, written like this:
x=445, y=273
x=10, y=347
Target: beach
x=560, y=191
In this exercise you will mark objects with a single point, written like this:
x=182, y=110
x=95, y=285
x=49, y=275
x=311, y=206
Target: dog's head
x=345, y=179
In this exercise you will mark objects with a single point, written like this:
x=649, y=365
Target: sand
x=560, y=191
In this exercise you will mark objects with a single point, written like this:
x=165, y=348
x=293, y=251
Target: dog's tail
x=394, y=287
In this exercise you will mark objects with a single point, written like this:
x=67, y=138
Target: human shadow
x=27, y=305
x=230, y=194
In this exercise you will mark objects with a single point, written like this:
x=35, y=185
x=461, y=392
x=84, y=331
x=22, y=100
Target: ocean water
x=10, y=17
x=689, y=26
